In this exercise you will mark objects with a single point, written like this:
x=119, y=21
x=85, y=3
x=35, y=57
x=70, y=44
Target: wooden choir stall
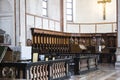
x=58, y=55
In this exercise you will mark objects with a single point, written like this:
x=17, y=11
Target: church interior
x=59, y=40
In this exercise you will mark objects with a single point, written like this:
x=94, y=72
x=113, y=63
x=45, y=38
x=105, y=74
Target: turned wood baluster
x=47, y=69
x=41, y=72
x=60, y=69
x=39, y=43
x=31, y=72
x=46, y=72
x=59, y=44
x=35, y=40
x=64, y=68
x=38, y=72
x=43, y=68
x=49, y=43
x=53, y=70
x=34, y=72
x=62, y=72
x=56, y=70
x=54, y=43
x=58, y=74
x=64, y=44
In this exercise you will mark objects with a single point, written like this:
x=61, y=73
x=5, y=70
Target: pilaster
x=117, y=64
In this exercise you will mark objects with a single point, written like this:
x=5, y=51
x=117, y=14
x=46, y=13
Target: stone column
x=117, y=64
x=22, y=22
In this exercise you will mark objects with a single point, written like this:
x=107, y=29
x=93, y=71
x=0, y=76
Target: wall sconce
x=104, y=6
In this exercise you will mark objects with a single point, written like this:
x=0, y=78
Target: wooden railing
x=46, y=41
x=44, y=70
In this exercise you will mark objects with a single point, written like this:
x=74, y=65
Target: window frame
x=71, y=9
x=45, y=8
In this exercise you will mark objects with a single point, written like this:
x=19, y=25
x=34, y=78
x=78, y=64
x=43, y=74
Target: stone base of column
x=117, y=64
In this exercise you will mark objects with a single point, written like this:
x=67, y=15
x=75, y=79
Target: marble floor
x=104, y=72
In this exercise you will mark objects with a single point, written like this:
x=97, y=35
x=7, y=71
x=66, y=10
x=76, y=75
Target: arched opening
x=7, y=18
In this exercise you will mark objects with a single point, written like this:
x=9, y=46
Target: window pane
x=69, y=5
x=44, y=7
x=44, y=4
x=69, y=11
x=69, y=17
x=69, y=0
x=44, y=12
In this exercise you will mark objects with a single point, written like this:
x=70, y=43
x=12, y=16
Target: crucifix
x=104, y=7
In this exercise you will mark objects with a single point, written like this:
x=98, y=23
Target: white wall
x=54, y=9
x=34, y=7
x=35, y=19
x=89, y=11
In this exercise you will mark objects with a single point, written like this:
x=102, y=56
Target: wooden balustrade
x=52, y=39
x=58, y=70
x=60, y=43
x=44, y=70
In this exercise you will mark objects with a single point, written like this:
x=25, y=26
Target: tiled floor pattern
x=105, y=72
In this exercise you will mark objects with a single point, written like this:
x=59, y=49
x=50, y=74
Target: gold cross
x=104, y=7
